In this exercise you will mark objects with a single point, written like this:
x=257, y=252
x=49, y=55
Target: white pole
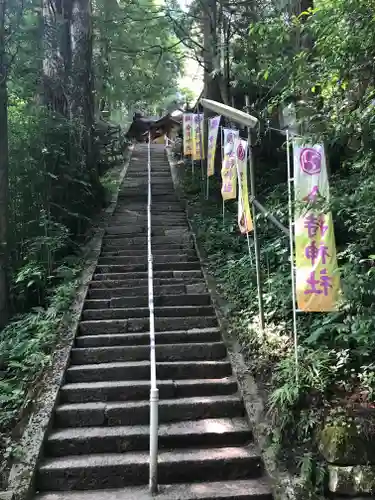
x=255, y=233
x=291, y=243
x=154, y=392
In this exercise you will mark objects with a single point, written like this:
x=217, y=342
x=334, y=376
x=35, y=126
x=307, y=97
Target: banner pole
x=291, y=244
x=207, y=187
x=256, y=241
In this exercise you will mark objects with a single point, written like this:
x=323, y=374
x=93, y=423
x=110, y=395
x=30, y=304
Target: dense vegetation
x=320, y=58
x=66, y=69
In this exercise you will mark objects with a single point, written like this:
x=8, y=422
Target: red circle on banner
x=241, y=152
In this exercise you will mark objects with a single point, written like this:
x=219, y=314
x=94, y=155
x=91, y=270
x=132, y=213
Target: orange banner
x=228, y=170
x=317, y=277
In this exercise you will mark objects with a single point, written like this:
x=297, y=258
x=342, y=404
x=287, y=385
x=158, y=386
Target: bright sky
x=193, y=77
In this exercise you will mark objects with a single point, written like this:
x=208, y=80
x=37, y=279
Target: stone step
x=140, y=230
x=89, y=472
x=191, y=285
x=142, y=260
x=111, y=326
x=138, y=412
x=244, y=489
x=143, y=252
x=186, y=434
x=142, y=301
x=129, y=245
x=164, y=352
x=140, y=370
x=136, y=390
x=185, y=275
x=141, y=291
x=136, y=268
x=143, y=312
x=139, y=240
x=126, y=280
x=139, y=339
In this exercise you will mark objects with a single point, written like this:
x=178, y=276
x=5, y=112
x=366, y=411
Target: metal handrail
x=154, y=392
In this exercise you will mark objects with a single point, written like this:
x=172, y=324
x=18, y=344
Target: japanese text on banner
x=228, y=170
x=245, y=222
x=197, y=135
x=213, y=128
x=317, y=278
x=187, y=127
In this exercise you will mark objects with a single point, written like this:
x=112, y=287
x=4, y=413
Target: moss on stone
x=351, y=480
x=346, y=443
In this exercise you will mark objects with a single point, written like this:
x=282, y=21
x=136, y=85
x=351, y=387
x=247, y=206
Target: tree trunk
x=57, y=55
x=83, y=104
x=4, y=166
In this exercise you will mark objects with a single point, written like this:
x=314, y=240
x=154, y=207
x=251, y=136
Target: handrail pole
x=154, y=392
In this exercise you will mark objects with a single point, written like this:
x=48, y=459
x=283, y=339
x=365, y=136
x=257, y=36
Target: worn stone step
x=142, y=301
x=138, y=240
x=137, y=287
x=185, y=275
x=139, y=291
x=244, y=489
x=138, y=412
x=126, y=281
x=164, y=352
x=139, y=230
x=135, y=390
x=129, y=245
x=143, y=312
x=110, y=326
x=140, y=370
x=137, y=259
x=143, y=252
x=119, y=470
x=186, y=434
x=164, y=266
x=139, y=339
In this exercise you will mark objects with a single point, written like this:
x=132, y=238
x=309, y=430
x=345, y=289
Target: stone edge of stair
x=21, y=475
x=285, y=486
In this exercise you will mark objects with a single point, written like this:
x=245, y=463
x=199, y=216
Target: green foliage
x=27, y=346
x=52, y=198
x=138, y=59
x=336, y=350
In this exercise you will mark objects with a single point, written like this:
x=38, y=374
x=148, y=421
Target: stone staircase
x=98, y=447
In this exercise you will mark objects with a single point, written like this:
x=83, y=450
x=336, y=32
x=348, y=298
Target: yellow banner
x=197, y=137
x=213, y=128
x=245, y=222
x=228, y=170
x=187, y=128
x=317, y=277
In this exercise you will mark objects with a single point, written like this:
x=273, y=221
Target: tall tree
x=4, y=166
